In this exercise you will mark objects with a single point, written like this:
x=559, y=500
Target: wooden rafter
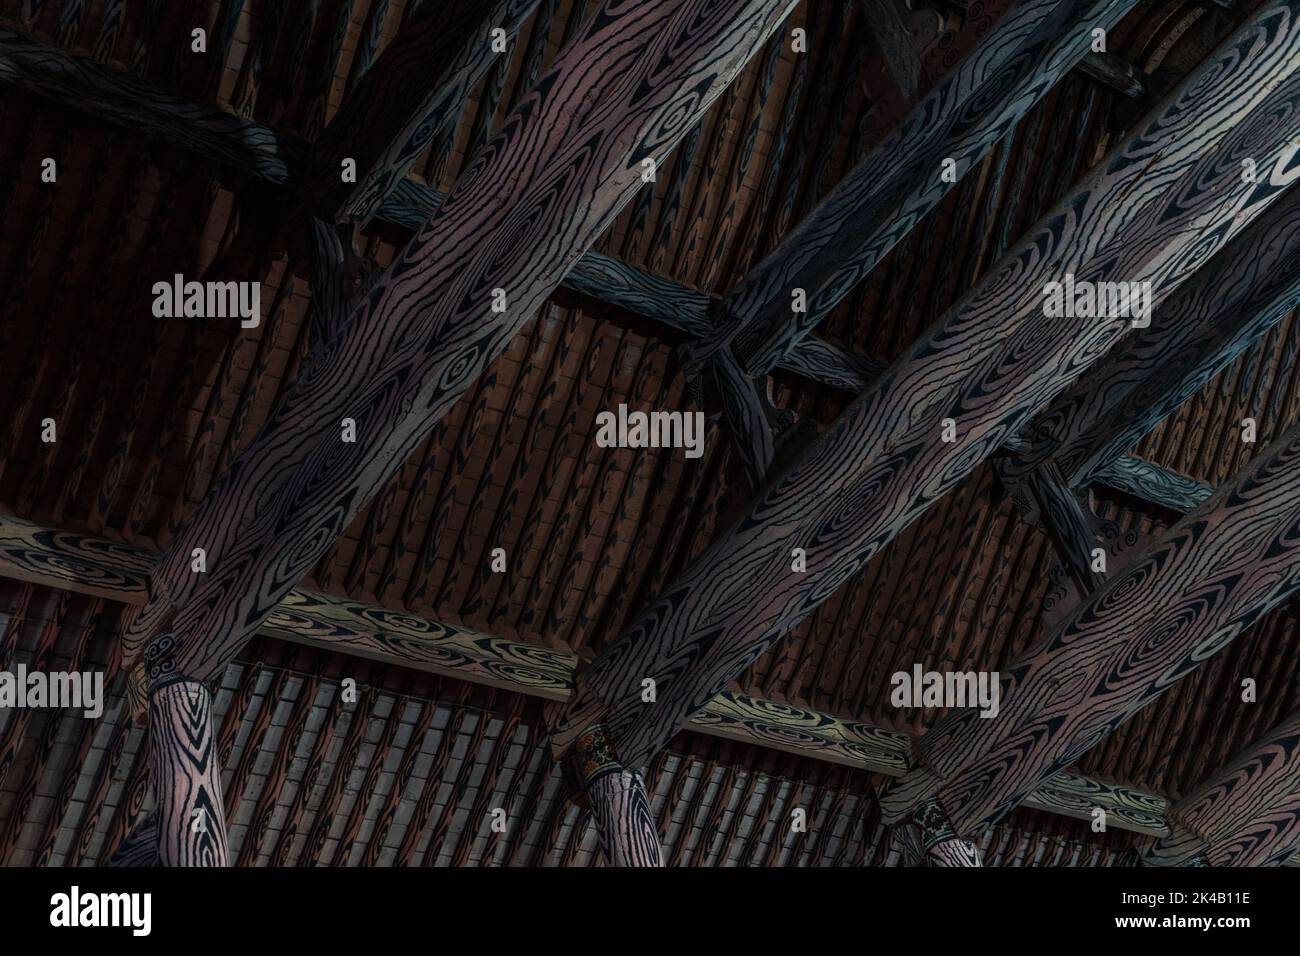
x=1202, y=583
x=410, y=97
x=879, y=201
x=433, y=321
x=87, y=564
x=987, y=366
x=1248, y=814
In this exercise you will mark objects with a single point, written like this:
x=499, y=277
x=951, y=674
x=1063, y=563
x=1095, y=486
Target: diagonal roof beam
x=410, y=97
x=872, y=208
x=1162, y=201
x=253, y=149
x=1202, y=583
x=1248, y=814
x=1223, y=310
x=1031, y=47
x=629, y=86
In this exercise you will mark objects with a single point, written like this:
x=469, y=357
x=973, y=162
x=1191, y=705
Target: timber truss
x=1056, y=406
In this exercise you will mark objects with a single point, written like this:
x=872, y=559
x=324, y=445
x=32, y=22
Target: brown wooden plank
x=1153, y=210
x=533, y=200
x=1202, y=583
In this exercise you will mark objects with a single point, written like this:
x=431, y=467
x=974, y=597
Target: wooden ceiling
x=153, y=412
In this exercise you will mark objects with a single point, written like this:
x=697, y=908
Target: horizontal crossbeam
x=86, y=564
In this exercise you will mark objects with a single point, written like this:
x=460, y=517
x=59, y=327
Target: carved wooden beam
x=1232, y=302
x=830, y=364
x=1154, y=484
x=409, y=97
x=629, y=86
x=1202, y=583
x=895, y=46
x=614, y=283
x=330, y=286
x=746, y=412
x=89, y=565
x=1152, y=211
x=1246, y=815
x=1069, y=525
x=1114, y=71
x=945, y=136
x=81, y=84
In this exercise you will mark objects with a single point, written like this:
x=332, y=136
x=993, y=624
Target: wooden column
x=632, y=83
x=619, y=804
x=940, y=845
x=1151, y=211
x=1202, y=583
x=1246, y=815
x=191, y=822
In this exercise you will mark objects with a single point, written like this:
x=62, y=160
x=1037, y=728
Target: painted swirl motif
x=1249, y=813
x=422, y=333
x=160, y=662
x=1197, y=588
x=994, y=336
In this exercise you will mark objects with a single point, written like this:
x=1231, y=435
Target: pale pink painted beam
x=633, y=82
x=1153, y=210
x=1201, y=584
